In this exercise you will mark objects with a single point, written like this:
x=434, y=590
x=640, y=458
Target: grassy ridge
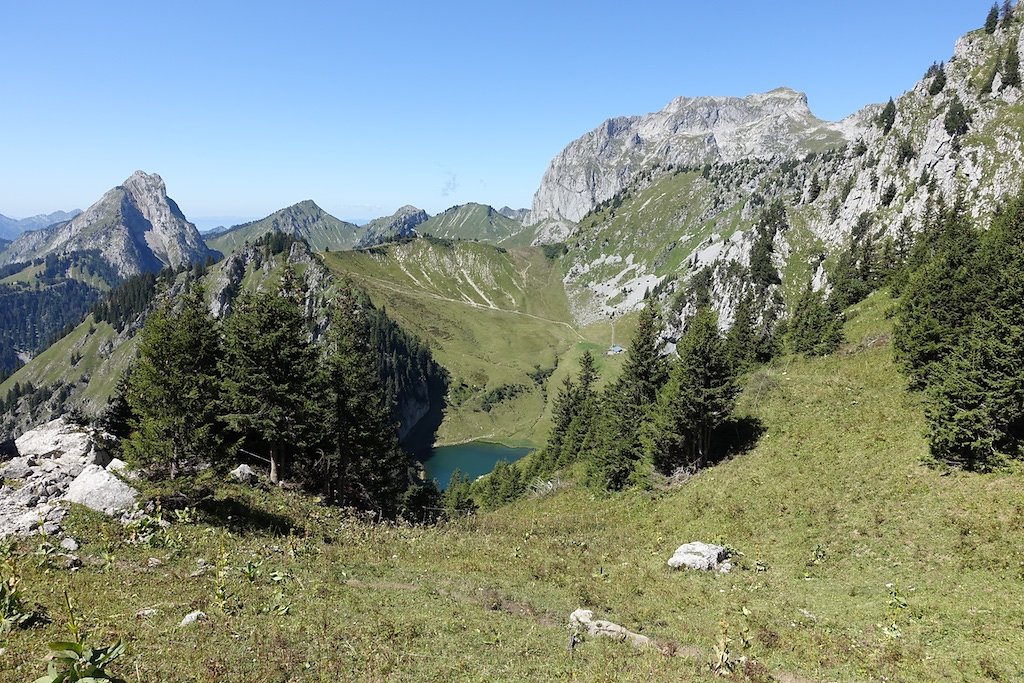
x=859, y=562
x=491, y=316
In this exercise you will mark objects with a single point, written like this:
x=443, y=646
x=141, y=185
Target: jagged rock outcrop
x=135, y=226
x=400, y=224
x=687, y=132
x=58, y=463
x=515, y=214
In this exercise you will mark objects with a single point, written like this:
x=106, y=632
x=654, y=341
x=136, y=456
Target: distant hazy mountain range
x=12, y=227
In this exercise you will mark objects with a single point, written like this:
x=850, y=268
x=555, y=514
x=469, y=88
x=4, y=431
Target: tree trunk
x=274, y=466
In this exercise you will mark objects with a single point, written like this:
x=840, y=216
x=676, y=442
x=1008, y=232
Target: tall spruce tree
x=992, y=19
x=1007, y=13
x=364, y=464
x=816, y=327
x=940, y=295
x=887, y=117
x=1011, y=67
x=976, y=412
x=645, y=369
x=699, y=396
x=741, y=342
x=585, y=410
x=173, y=387
x=270, y=389
x=614, y=448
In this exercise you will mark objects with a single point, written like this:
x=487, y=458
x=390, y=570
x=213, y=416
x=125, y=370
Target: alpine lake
x=473, y=459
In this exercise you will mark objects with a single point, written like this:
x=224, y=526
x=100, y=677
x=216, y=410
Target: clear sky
x=246, y=107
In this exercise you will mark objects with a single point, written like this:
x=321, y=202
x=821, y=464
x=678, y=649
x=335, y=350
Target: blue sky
x=244, y=108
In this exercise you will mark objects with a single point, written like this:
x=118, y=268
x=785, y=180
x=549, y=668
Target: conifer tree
x=741, y=342
x=941, y=293
x=699, y=395
x=976, y=413
x=938, y=83
x=364, y=465
x=1011, y=67
x=992, y=20
x=957, y=119
x=173, y=387
x=887, y=117
x=645, y=369
x=270, y=382
x=614, y=447
x=1007, y=13
x=816, y=328
x=457, y=499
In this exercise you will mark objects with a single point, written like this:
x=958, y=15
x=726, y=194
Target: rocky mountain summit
x=304, y=220
x=401, y=223
x=678, y=199
x=689, y=131
x=135, y=226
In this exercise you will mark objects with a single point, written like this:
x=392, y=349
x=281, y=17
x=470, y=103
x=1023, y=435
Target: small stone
x=71, y=561
x=193, y=617
x=244, y=474
x=149, y=612
x=69, y=544
x=154, y=562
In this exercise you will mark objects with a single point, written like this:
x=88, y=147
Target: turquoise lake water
x=474, y=459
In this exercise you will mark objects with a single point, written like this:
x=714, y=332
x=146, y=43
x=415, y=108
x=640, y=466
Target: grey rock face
x=136, y=227
x=689, y=131
x=702, y=556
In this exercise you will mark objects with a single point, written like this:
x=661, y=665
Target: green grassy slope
x=859, y=563
x=95, y=375
x=305, y=220
x=477, y=222
x=491, y=316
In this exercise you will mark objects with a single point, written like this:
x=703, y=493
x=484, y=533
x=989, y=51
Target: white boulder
x=97, y=489
x=702, y=556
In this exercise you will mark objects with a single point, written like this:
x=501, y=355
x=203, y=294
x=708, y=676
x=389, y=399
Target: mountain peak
x=135, y=226
x=689, y=131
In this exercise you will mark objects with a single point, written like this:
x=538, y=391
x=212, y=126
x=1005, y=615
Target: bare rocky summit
x=689, y=131
x=135, y=226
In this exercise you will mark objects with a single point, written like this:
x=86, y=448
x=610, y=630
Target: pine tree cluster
x=960, y=334
x=201, y=393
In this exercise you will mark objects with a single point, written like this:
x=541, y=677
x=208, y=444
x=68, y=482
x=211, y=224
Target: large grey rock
x=100, y=490
x=702, y=556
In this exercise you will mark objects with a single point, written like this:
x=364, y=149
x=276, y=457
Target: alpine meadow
x=739, y=396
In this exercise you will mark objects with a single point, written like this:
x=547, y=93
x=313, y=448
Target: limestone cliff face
x=135, y=226
x=687, y=132
x=666, y=226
